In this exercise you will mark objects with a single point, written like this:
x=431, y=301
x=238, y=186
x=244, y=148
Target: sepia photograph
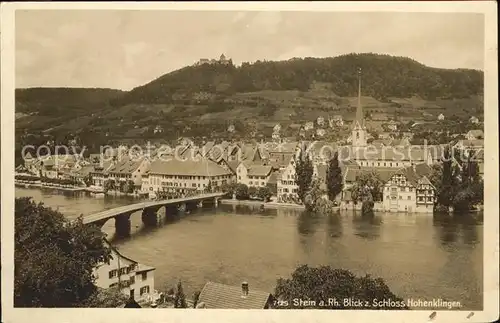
x=243, y=157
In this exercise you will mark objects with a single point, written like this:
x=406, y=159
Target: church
x=362, y=154
x=404, y=170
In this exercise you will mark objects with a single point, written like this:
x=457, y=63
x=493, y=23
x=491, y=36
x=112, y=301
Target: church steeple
x=359, y=122
x=359, y=128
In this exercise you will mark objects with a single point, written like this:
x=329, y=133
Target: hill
x=203, y=100
x=383, y=76
x=57, y=101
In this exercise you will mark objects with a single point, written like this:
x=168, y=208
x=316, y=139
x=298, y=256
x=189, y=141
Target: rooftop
x=216, y=295
x=188, y=167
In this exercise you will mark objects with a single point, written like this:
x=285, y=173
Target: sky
x=123, y=49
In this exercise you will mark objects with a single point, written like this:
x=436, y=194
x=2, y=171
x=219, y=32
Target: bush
x=323, y=283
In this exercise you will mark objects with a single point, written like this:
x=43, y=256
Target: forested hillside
x=384, y=76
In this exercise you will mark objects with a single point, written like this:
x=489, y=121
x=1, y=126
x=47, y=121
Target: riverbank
x=40, y=185
x=267, y=205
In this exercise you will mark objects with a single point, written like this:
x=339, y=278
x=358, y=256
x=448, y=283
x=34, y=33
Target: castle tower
x=359, y=128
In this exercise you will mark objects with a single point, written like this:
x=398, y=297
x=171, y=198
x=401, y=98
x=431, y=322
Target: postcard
x=225, y=161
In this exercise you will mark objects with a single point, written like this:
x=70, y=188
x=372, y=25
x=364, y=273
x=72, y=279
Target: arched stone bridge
x=149, y=211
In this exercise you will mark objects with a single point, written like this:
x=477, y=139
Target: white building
x=253, y=174
x=129, y=169
x=133, y=279
x=286, y=184
x=183, y=176
x=441, y=117
x=409, y=190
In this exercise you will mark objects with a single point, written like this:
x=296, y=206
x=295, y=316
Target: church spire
x=359, y=122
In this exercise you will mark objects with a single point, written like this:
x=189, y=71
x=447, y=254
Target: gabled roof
x=216, y=295
x=259, y=170
x=126, y=166
x=188, y=167
x=351, y=173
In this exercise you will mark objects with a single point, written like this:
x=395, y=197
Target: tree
x=334, y=177
x=368, y=187
x=208, y=188
x=88, y=180
x=252, y=191
x=109, y=185
x=241, y=191
x=303, y=174
x=54, y=258
x=128, y=186
x=180, y=298
x=323, y=283
x=196, y=298
x=264, y=193
x=448, y=180
x=106, y=298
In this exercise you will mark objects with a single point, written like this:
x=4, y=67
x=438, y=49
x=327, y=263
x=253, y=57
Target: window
x=387, y=197
x=123, y=271
x=113, y=273
x=411, y=189
x=262, y=183
x=194, y=185
x=400, y=197
x=251, y=183
x=409, y=197
x=132, y=280
x=239, y=177
x=420, y=198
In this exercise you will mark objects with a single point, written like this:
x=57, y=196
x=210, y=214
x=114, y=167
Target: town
x=247, y=171
x=248, y=160
x=269, y=166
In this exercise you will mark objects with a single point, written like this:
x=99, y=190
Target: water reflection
x=307, y=223
x=366, y=226
x=334, y=226
x=451, y=227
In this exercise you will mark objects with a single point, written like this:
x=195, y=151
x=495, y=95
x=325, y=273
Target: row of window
x=190, y=177
x=287, y=182
x=286, y=190
x=256, y=183
x=124, y=271
x=381, y=164
x=420, y=198
x=257, y=177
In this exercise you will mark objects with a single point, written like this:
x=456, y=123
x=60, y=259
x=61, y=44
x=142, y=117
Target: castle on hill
x=222, y=60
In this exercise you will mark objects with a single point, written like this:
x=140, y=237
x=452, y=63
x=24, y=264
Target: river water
x=419, y=256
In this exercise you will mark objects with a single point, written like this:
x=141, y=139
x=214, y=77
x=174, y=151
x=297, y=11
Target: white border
x=491, y=236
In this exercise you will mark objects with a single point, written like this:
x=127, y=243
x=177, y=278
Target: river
x=419, y=256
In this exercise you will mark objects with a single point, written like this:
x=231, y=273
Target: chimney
x=244, y=289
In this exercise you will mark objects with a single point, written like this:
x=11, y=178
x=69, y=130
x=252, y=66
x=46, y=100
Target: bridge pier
x=150, y=216
x=191, y=206
x=122, y=224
